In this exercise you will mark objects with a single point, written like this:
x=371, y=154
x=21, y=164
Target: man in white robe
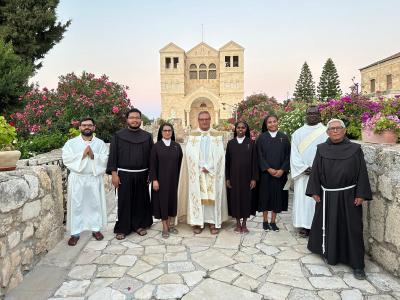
x=201, y=191
x=86, y=158
x=304, y=146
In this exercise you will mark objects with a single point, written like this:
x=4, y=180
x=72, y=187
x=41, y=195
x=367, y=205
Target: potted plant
x=8, y=155
x=380, y=128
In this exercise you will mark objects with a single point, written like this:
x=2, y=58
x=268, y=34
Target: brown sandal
x=213, y=230
x=197, y=229
x=141, y=231
x=238, y=229
x=120, y=236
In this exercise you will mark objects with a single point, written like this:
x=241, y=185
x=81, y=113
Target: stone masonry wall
x=382, y=215
x=31, y=219
x=32, y=213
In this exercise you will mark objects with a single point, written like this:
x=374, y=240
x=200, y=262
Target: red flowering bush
x=56, y=111
x=254, y=109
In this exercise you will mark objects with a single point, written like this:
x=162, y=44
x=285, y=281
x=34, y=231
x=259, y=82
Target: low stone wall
x=31, y=219
x=382, y=215
x=32, y=214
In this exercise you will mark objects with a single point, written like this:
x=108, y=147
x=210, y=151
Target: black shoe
x=359, y=274
x=274, y=227
x=304, y=233
x=266, y=226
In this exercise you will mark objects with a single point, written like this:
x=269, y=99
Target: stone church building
x=200, y=79
x=382, y=77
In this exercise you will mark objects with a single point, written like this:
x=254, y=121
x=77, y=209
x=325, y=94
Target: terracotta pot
x=8, y=160
x=385, y=137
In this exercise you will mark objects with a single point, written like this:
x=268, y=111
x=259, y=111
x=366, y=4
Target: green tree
x=329, y=83
x=14, y=74
x=31, y=26
x=305, y=86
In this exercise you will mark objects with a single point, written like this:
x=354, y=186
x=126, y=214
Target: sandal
x=120, y=236
x=238, y=229
x=165, y=234
x=197, y=229
x=213, y=230
x=141, y=231
x=173, y=230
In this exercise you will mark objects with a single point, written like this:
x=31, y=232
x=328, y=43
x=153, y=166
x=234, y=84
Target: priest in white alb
x=86, y=158
x=202, y=191
x=304, y=146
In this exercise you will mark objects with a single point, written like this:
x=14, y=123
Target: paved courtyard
x=259, y=265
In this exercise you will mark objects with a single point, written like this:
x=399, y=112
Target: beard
x=133, y=127
x=87, y=132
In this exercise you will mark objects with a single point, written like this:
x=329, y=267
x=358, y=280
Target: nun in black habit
x=241, y=173
x=274, y=162
x=165, y=164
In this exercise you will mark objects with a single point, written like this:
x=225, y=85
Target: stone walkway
x=259, y=265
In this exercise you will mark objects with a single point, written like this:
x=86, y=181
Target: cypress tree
x=329, y=83
x=305, y=86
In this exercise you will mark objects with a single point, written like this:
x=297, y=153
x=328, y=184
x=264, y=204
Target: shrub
x=386, y=119
x=41, y=143
x=293, y=119
x=349, y=109
x=8, y=135
x=254, y=109
x=52, y=111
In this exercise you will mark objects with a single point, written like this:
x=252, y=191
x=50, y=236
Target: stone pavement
x=259, y=265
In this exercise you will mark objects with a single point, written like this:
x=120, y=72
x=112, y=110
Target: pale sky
x=122, y=38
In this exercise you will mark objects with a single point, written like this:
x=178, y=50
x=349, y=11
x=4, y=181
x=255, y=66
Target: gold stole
x=310, y=139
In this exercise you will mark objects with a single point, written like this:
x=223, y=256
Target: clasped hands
x=275, y=173
x=357, y=201
x=88, y=152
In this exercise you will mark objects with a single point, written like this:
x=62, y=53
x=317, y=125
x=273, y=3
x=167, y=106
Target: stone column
x=187, y=115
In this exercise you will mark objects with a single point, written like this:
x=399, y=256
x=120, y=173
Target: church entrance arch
x=198, y=105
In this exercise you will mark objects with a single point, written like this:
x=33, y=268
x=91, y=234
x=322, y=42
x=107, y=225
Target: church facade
x=201, y=79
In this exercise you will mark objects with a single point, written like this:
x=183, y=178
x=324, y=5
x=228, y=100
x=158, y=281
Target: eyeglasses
x=335, y=128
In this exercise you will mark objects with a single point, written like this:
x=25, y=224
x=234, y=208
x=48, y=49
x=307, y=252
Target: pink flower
x=34, y=128
x=19, y=116
x=74, y=122
x=115, y=109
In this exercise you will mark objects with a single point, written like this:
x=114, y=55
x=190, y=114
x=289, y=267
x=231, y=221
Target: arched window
x=202, y=66
x=193, y=74
x=212, y=72
x=193, y=71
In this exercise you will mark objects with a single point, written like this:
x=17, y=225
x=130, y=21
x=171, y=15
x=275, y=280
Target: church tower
x=201, y=79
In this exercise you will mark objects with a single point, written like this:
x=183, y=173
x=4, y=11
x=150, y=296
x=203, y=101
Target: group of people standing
x=206, y=184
